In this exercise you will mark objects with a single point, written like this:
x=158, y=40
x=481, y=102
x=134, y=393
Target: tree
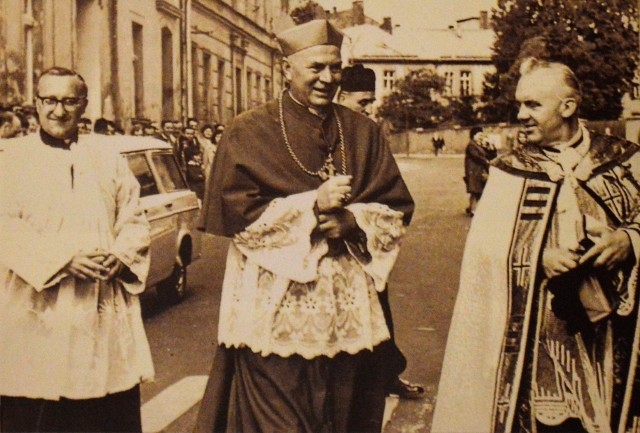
x=464, y=111
x=597, y=39
x=415, y=101
x=307, y=12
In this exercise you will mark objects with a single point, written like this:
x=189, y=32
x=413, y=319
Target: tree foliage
x=415, y=101
x=307, y=12
x=597, y=39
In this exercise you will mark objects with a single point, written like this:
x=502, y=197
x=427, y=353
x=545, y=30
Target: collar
x=303, y=123
x=572, y=142
x=315, y=113
x=600, y=152
x=58, y=143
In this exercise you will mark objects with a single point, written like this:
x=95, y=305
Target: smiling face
x=313, y=75
x=546, y=110
x=57, y=119
x=207, y=132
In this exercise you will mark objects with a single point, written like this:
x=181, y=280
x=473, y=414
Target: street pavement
x=422, y=292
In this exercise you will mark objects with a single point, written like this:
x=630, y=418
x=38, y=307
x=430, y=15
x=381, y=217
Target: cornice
x=169, y=9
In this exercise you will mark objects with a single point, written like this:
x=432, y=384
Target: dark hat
x=309, y=34
x=357, y=78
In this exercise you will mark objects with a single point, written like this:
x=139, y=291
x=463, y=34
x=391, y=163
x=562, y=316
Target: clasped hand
x=335, y=221
x=609, y=251
x=95, y=265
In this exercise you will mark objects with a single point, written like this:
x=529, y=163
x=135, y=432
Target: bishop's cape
x=527, y=353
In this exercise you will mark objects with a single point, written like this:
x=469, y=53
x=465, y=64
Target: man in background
x=357, y=92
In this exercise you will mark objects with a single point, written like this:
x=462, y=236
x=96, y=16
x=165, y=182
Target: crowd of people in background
x=193, y=143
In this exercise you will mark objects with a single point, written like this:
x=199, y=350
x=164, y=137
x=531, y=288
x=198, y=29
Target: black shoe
x=405, y=390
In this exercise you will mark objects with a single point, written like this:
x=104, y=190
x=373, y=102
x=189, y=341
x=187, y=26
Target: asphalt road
x=422, y=292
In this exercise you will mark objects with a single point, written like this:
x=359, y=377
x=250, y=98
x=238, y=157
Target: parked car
x=171, y=208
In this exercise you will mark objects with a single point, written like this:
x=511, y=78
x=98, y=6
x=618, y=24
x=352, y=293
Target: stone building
x=150, y=59
x=461, y=53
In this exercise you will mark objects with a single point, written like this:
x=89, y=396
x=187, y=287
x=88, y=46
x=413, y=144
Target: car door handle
x=168, y=205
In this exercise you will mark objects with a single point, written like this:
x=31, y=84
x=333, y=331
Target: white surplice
x=61, y=336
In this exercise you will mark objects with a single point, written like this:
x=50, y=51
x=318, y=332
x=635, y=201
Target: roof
x=128, y=143
x=367, y=41
x=120, y=143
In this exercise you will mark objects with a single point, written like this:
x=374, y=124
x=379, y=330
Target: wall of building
x=242, y=54
x=149, y=21
x=96, y=37
x=400, y=70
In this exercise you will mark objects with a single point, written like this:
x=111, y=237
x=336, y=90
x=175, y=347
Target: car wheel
x=173, y=289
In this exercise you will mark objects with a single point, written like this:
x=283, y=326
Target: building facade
x=152, y=59
x=461, y=54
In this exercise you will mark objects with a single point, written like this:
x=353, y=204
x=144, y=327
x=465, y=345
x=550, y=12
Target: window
x=259, y=95
x=168, y=171
x=267, y=90
x=238, y=91
x=138, y=72
x=448, y=83
x=205, y=84
x=389, y=79
x=195, y=81
x=465, y=83
x=221, y=90
x=249, y=101
x=167, y=74
x=141, y=170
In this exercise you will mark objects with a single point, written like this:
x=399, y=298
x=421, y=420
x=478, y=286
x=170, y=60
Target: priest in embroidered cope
x=545, y=330
x=315, y=206
x=74, y=257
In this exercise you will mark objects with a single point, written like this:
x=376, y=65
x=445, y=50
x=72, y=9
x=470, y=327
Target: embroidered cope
x=525, y=351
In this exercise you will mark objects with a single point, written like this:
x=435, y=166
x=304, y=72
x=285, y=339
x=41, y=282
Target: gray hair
x=59, y=71
x=569, y=79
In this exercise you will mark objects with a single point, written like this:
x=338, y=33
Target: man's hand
x=337, y=225
x=557, y=261
x=611, y=250
x=88, y=265
x=114, y=266
x=333, y=193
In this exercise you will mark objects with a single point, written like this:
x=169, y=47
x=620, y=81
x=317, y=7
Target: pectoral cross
x=328, y=169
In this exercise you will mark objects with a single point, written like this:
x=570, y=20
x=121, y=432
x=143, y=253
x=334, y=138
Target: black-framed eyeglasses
x=69, y=104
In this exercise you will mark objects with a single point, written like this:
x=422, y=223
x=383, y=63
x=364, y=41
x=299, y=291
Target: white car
x=171, y=208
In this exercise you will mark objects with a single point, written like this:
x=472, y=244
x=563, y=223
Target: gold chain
x=326, y=170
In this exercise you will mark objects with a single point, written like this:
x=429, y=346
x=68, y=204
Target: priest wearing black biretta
x=358, y=89
x=315, y=207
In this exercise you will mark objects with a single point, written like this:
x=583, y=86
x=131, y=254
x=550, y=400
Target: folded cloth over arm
x=383, y=228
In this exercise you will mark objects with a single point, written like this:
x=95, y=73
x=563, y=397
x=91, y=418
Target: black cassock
x=252, y=167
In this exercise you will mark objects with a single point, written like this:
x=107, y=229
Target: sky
x=417, y=13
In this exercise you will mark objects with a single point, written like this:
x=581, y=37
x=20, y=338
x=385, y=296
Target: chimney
x=484, y=20
x=357, y=13
x=386, y=25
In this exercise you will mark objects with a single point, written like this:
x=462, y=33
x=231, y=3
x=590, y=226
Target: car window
x=141, y=170
x=168, y=171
